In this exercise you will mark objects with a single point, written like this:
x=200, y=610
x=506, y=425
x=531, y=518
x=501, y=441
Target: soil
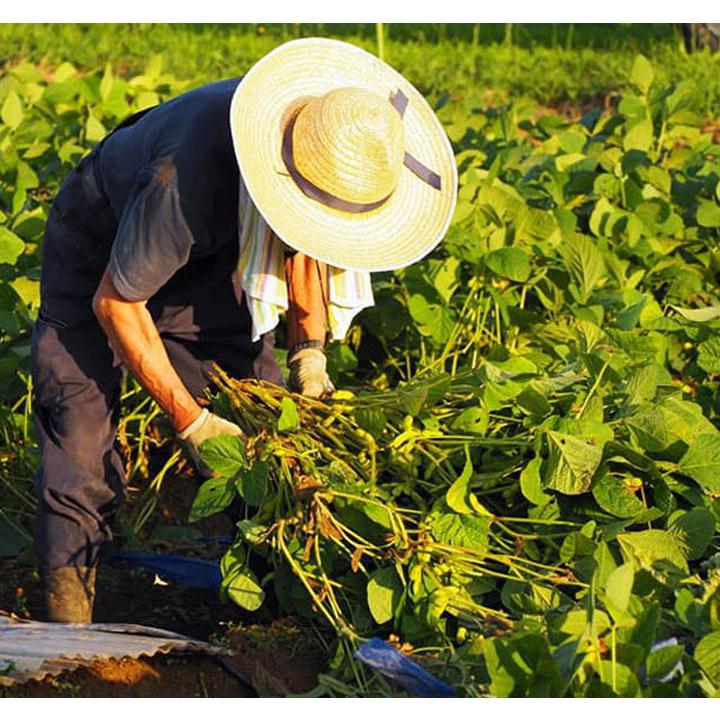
x=274, y=659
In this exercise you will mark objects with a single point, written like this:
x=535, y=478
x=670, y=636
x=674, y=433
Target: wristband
x=304, y=345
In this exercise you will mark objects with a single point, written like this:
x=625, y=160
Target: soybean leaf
x=619, y=587
x=419, y=394
x=224, y=454
x=12, y=112
x=384, y=591
x=572, y=462
x=663, y=662
x=468, y=531
x=371, y=420
x=473, y=420
x=213, y=496
x=531, y=483
x=620, y=680
x=509, y=262
x=658, y=426
x=708, y=214
x=447, y=278
x=289, y=419
x=707, y=656
x=639, y=136
x=697, y=528
x=251, y=531
x=642, y=73
x=708, y=357
x=585, y=263
x=11, y=246
x=701, y=462
x=244, y=589
x=433, y=320
x=458, y=495
x=617, y=495
x=252, y=482
x=706, y=314
x=659, y=552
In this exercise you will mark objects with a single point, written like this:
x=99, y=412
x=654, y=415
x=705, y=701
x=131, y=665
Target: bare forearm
x=306, y=303
x=132, y=333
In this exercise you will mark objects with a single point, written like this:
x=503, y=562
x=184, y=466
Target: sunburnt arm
x=307, y=320
x=132, y=334
x=306, y=282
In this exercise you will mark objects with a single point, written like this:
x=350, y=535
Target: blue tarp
x=391, y=663
x=193, y=572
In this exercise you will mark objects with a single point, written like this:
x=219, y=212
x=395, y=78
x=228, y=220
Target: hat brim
x=401, y=231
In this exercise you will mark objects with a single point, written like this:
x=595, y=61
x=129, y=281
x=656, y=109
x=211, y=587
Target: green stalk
x=380, y=40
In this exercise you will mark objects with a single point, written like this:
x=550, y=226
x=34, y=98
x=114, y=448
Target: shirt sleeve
x=153, y=239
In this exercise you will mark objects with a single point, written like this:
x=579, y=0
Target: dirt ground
x=273, y=659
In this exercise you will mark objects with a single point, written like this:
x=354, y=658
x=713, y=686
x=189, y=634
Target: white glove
x=308, y=374
x=206, y=425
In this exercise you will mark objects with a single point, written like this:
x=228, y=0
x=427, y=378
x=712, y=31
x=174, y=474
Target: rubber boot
x=69, y=593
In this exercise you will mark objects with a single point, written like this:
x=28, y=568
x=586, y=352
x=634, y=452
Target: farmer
x=179, y=241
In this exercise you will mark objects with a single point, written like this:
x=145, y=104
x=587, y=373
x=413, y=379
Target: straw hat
x=342, y=156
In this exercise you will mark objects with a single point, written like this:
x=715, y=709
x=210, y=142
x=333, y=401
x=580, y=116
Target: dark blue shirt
x=172, y=181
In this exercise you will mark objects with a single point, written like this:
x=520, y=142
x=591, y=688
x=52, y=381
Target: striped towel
x=261, y=272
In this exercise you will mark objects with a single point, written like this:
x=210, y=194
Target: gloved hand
x=308, y=374
x=206, y=425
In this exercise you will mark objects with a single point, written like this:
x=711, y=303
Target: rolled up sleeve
x=153, y=240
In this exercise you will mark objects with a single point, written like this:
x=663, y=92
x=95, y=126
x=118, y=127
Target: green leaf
x=706, y=314
x=239, y=581
x=708, y=214
x=458, y=495
x=94, y=129
x=447, y=278
x=639, y=136
x=371, y=420
x=12, y=112
x=619, y=587
x=213, y=496
x=384, y=591
x=697, y=527
x=224, y=454
x=656, y=427
x=509, y=262
x=707, y=656
x=585, y=263
x=572, y=141
x=626, y=683
x=617, y=495
x=418, y=395
x=472, y=420
x=468, y=531
x=701, y=462
x=531, y=483
x=657, y=551
x=11, y=246
x=289, y=419
x=642, y=73
x=572, y=462
x=663, y=661
x=244, y=590
x=252, y=483
x=106, y=84
x=433, y=320
x=709, y=355
x=251, y=531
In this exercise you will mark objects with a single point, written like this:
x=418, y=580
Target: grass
x=549, y=63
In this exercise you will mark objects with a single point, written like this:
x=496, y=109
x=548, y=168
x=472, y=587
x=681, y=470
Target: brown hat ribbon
x=399, y=101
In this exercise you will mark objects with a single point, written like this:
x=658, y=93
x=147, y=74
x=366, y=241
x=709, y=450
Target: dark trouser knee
x=76, y=408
